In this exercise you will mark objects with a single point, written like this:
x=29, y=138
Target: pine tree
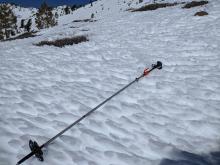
x=140, y=1
x=45, y=18
x=56, y=15
x=7, y=21
x=67, y=10
x=74, y=7
x=22, y=23
x=92, y=15
x=28, y=25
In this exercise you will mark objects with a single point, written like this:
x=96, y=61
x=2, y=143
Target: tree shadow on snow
x=187, y=158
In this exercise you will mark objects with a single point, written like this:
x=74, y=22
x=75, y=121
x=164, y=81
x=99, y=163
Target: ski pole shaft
x=77, y=121
x=98, y=106
x=145, y=73
x=87, y=114
x=25, y=158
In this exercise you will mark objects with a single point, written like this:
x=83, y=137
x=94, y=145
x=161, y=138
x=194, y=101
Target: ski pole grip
x=159, y=65
x=146, y=72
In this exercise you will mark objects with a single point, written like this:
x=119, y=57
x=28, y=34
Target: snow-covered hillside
x=44, y=89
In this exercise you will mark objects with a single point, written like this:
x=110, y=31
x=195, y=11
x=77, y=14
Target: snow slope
x=44, y=89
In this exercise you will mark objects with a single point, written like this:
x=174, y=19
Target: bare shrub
x=63, y=42
x=155, y=6
x=201, y=13
x=194, y=4
x=85, y=20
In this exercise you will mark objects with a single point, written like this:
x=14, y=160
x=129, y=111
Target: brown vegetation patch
x=201, y=13
x=23, y=36
x=73, y=27
x=63, y=42
x=155, y=6
x=85, y=30
x=85, y=20
x=195, y=4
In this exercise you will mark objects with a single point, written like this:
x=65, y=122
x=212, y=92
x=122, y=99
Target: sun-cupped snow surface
x=44, y=89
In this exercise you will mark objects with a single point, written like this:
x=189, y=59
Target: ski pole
x=36, y=149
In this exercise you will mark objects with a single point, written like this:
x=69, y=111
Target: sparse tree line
x=45, y=17
x=8, y=22
x=66, y=10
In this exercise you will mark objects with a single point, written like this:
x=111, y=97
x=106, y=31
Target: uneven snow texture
x=44, y=89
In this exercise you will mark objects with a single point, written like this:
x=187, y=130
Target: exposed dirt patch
x=74, y=27
x=195, y=4
x=63, y=42
x=85, y=30
x=201, y=13
x=85, y=20
x=155, y=6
